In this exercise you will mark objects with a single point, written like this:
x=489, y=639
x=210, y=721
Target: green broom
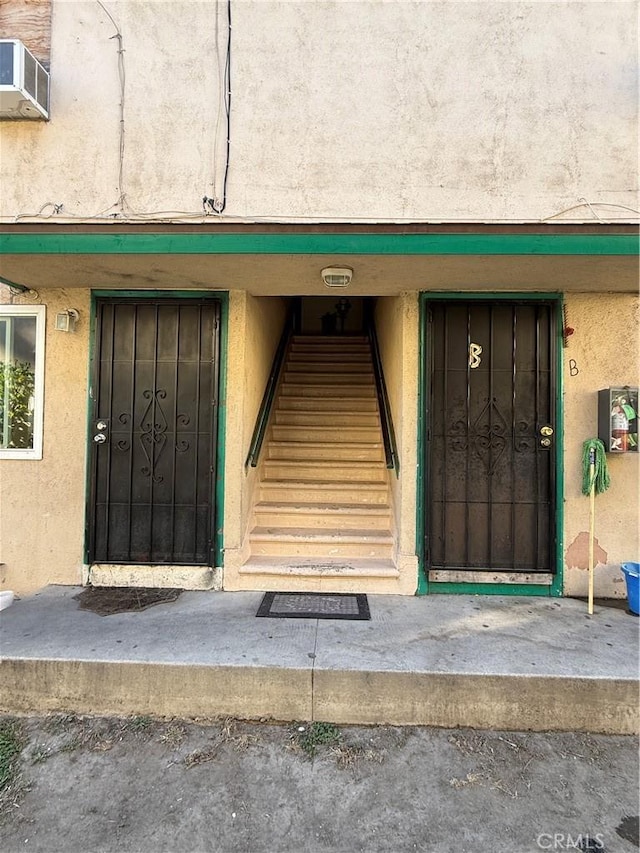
x=595, y=478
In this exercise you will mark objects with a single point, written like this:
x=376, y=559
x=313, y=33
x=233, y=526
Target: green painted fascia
x=213, y=243
x=533, y=589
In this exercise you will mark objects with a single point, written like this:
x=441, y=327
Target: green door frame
x=425, y=587
x=223, y=298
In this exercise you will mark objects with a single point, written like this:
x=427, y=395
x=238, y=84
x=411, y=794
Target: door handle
x=546, y=431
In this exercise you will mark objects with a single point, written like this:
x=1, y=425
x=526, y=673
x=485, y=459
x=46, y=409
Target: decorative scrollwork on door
x=182, y=445
x=488, y=435
x=124, y=444
x=153, y=429
x=524, y=440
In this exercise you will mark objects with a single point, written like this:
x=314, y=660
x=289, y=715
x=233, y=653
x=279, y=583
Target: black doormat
x=314, y=605
x=106, y=600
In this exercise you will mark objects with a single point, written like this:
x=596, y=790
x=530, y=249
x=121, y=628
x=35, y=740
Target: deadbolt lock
x=545, y=442
x=546, y=430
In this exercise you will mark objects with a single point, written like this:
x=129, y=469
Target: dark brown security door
x=491, y=436
x=153, y=433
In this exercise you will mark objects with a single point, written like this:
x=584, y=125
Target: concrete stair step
x=310, y=542
x=329, y=404
x=317, y=365
x=329, y=450
x=325, y=418
x=370, y=493
x=333, y=432
x=330, y=358
x=329, y=340
x=322, y=516
x=302, y=389
x=325, y=377
x=328, y=567
x=324, y=471
x=301, y=432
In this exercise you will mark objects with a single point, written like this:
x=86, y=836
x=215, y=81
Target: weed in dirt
x=139, y=724
x=173, y=737
x=12, y=741
x=308, y=738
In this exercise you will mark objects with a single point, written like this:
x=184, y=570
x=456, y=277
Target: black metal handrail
x=386, y=421
x=270, y=390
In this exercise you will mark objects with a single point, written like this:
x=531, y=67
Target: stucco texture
x=602, y=352
x=397, y=329
x=42, y=501
x=255, y=327
x=341, y=109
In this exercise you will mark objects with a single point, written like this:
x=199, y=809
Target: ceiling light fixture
x=337, y=276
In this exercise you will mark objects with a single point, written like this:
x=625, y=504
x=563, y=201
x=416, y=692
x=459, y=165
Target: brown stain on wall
x=577, y=554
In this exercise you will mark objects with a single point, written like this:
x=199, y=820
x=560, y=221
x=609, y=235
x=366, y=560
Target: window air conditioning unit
x=24, y=83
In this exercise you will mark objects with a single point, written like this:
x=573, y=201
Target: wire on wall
x=122, y=78
x=217, y=202
x=590, y=206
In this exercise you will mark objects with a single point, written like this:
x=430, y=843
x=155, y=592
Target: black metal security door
x=154, y=427
x=491, y=436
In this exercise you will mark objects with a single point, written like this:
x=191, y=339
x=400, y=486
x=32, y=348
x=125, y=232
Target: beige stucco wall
x=397, y=322
x=602, y=352
x=341, y=108
x=255, y=327
x=42, y=501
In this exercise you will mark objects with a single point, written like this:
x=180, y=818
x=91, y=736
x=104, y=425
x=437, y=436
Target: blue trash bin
x=632, y=577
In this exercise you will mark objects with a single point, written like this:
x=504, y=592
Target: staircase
x=322, y=519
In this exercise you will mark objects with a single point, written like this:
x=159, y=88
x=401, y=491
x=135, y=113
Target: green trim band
x=489, y=588
x=318, y=244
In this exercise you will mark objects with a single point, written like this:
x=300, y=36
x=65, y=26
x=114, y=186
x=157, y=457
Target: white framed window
x=22, y=329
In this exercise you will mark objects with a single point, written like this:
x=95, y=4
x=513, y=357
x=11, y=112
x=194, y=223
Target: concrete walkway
x=480, y=661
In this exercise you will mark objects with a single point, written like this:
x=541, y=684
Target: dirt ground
x=106, y=785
